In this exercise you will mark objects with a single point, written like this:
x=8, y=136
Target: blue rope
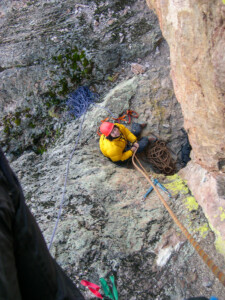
x=78, y=103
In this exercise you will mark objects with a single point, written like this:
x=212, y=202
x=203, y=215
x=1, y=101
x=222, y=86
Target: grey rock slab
x=105, y=227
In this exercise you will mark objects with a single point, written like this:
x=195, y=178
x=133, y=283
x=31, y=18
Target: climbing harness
x=159, y=156
x=216, y=271
x=126, y=118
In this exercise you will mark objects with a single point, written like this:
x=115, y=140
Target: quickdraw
x=126, y=118
x=109, y=294
x=94, y=288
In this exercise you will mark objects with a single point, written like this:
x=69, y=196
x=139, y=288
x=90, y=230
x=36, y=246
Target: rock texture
x=116, y=36
x=112, y=34
x=195, y=32
x=105, y=227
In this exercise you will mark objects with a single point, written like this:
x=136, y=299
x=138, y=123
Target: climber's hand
x=134, y=147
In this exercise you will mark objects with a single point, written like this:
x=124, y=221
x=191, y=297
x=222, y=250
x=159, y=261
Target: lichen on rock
x=193, y=30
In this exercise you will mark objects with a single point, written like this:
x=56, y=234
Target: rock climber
x=118, y=143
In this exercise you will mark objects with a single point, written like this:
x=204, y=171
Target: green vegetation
x=31, y=2
x=41, y=149
x=12, y=120
x=114, y=77
x=71, y=68
x=68, y=69
x=14, y=125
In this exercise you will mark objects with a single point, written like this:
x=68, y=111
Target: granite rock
x=196, y=37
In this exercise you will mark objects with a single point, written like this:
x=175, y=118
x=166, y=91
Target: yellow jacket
x=115, y=149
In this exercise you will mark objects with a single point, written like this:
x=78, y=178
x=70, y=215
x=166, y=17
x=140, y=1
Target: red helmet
x=106, y=128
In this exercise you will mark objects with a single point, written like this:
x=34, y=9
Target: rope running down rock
x=209, y=262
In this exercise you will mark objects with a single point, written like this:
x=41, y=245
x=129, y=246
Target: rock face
x=195, y=32
x=113, y=35
x=105, y=227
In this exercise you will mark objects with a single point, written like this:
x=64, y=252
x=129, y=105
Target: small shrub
x=12, y=120
x=71, y=68
x=41, y=149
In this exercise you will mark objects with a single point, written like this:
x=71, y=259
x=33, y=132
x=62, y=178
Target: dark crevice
x=2, y=69
x=221, y=164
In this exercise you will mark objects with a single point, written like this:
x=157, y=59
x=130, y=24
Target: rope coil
x=209, y=262
x=159, y=156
